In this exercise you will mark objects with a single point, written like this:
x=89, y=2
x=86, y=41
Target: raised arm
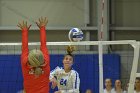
x=42, y=25
x=24, y=27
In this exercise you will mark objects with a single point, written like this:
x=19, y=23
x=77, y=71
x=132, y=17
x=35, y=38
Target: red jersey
x=33, y=84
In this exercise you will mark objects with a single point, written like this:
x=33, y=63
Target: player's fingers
x=40, y=20
x=22, y=22
x=29, y=27
x=45, y=19
x=26, y=23
x=37, y=24
x=19, y=25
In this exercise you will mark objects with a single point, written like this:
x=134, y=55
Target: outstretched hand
x=24, y=25
x=42, y=22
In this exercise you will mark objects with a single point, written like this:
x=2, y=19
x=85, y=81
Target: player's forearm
x=24, y=40
x=43, y=36
x=43, y=47
x=24, y=56
x=43, y=39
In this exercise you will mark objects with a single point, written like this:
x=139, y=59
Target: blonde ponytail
x=38, y=71
x=70, y=49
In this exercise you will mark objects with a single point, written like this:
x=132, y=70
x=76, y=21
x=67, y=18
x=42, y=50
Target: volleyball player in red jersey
x=36, y=63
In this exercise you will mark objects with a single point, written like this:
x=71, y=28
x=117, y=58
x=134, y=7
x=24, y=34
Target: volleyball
x=75, y=34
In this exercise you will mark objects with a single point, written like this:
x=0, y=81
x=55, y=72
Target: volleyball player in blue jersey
x=65, y=78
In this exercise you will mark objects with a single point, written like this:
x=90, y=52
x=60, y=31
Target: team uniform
x=125, y=91
x=136, y=92
x=33, y=84
x=66, y=82
x=111, y=91
x=114, y=91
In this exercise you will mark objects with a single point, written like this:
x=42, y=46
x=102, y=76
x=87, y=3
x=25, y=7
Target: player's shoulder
x=74, y=71
x=59, y=68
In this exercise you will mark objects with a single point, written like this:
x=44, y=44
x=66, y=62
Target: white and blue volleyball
x=75, y=34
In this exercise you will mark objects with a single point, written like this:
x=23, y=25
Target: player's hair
x=70, y=50
x=109, y=79
x=126, y=86
x=36, y=59
x=138, y=78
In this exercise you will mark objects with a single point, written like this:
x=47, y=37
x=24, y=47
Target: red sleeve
x=24, y=55
x=43, y=47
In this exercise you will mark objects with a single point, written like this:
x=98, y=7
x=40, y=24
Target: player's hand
x=54, y=83
x=24, y=25
x=42, y=22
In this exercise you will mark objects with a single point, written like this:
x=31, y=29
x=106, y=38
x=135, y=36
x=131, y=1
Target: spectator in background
x=108, y=86
x=137, y=85
x=126, y=88
x=118, y=87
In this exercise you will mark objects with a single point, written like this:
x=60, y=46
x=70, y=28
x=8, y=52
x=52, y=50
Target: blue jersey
x=66, y=82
